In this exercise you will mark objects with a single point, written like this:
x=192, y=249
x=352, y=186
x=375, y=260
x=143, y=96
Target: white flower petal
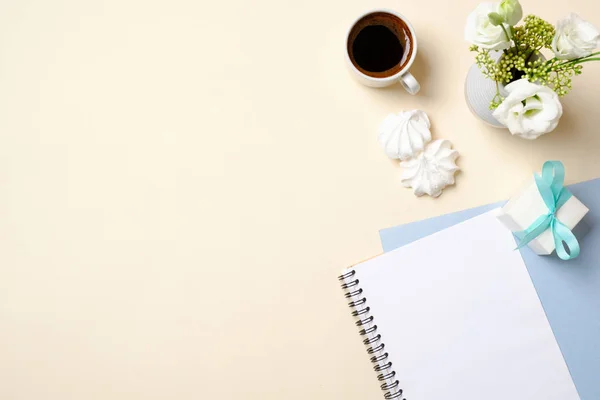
x=511, y=10
x=574, y=38
x=529, y=110
x=480, y=31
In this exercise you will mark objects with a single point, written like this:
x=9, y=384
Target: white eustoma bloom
x=482, y=32
x=574, y=38
x=511, y=11
x=529, y=110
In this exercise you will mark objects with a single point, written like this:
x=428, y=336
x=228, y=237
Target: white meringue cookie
x=432, y=170
x=405, y=134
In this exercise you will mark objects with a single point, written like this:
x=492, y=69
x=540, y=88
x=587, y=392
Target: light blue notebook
x=569, y=290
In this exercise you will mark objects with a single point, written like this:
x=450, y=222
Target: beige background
x=181, y=182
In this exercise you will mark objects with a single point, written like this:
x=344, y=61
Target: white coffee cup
x=400, y=72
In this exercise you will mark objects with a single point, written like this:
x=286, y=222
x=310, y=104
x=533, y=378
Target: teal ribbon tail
x=563, y=236
x=555, y=195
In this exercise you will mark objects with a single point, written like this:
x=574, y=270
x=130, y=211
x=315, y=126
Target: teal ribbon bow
x=555, y=195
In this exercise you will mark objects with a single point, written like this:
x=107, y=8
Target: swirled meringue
x=405, y=134
x=432, y=170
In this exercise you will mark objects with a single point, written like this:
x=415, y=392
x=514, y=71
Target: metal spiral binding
x=372, y=340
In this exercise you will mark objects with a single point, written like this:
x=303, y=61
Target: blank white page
x=461, y=320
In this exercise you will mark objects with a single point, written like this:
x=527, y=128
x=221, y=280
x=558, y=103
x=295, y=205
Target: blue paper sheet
x=569, y=290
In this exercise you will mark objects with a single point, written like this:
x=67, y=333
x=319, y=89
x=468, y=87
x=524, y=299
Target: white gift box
x=527, y=206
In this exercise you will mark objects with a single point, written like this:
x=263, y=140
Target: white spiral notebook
x=455, y=316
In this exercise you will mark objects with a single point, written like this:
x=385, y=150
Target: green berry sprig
x=535, y=34
x=555, y=74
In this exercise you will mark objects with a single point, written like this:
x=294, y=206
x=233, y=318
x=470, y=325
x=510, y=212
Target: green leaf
x=495, y=18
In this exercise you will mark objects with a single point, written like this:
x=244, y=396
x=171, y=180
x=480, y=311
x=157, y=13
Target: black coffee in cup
x=380, y=44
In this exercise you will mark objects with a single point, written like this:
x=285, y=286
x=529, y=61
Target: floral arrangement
x=529, y=104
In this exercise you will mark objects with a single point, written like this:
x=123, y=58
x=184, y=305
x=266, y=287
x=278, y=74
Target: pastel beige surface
x=181, y=182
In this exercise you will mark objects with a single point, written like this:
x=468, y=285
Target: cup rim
x=398, y=74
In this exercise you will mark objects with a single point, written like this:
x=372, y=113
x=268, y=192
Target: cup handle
x=410, y=83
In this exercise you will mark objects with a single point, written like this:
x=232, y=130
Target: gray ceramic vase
x=479, y=92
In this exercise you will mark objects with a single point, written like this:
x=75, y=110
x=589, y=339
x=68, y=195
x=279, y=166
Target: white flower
x=405, y=134
x=529, y=110
x=511, y=11
x=574, y=38
x=482, y=32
